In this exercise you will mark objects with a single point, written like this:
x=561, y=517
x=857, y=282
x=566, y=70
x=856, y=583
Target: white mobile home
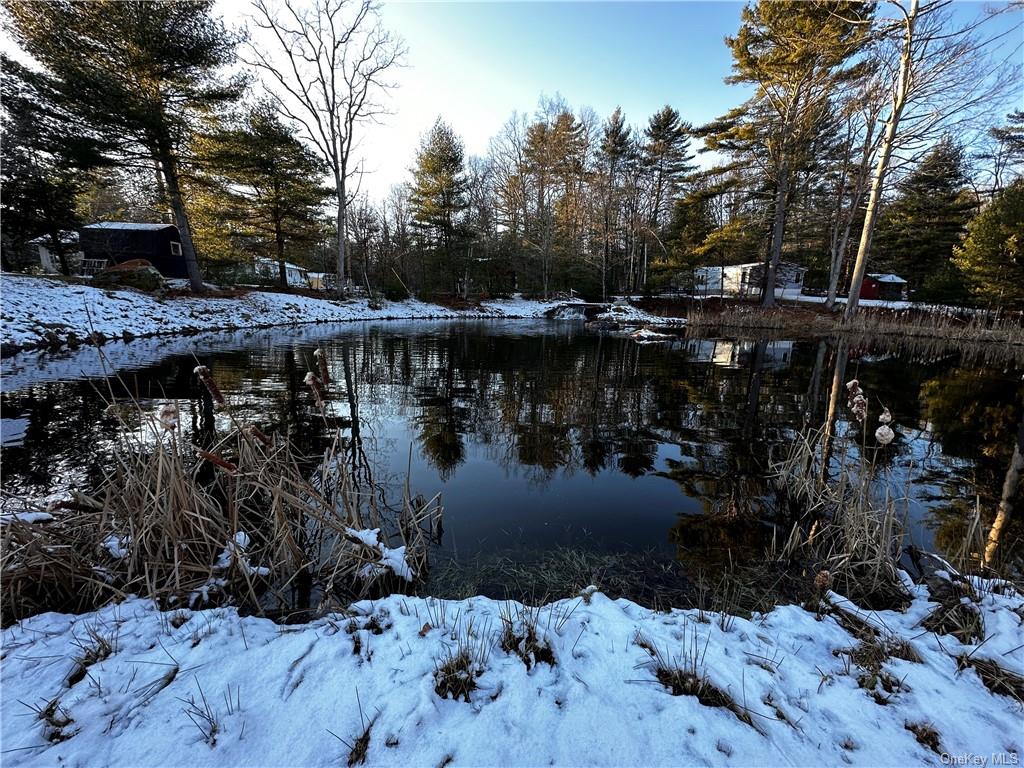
x=744, y=280
x=268, y=269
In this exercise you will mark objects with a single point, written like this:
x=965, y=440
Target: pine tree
x=617, y=149
x=918, y=231
x=992, y=255
x=141, y=72
x=795, y=53
x=48, y=157
x=438, y=194
x=266, y=184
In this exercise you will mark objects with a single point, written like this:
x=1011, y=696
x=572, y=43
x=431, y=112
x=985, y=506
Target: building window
x=175, y=249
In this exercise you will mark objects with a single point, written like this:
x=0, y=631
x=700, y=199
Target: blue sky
x=474, y=63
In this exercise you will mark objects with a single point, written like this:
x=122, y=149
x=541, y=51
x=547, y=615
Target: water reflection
x=543, y=434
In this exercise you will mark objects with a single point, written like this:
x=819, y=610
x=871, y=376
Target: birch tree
x=328, y=76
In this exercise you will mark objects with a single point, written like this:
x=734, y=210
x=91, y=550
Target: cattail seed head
x=318, y=391
x=204, y=376
x=168, y=416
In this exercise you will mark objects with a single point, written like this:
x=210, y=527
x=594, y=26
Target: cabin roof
x=885, y=277
x=127, y=225
x=752, y=264
x=262, y=260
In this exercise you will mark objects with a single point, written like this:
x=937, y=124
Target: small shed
x=119, y=241
x=884, y=287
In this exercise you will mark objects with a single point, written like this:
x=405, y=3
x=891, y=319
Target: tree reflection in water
x=545, y=435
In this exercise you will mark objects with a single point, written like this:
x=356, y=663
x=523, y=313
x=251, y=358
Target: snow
x=388, y=559
x=887, y=278
x=116, y=546
x=647, y=336
x=234, y=553
x=26, y=517
x=136, y=225
x=293, y=695
x=35, y=309
x=627, y=314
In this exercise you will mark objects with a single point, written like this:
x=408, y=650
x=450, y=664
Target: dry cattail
x=321, y=360
x=168, y=416
x=318, y=391
x=858, y=402
x=253, y=431
x=217, y=460
x=204, y=376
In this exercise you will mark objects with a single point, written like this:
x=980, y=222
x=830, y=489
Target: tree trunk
x=778, y=232
x=169, y=166
x=878, y=182
x=339, y=182
x=282, y=269
x=58, y=248
x=1010, y=484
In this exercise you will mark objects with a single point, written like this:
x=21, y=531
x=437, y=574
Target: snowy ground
x=34, y=310
x=210, y=688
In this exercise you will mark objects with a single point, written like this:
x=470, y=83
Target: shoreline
x=41, y=313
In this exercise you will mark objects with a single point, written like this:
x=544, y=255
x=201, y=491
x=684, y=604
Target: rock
x=137, y=273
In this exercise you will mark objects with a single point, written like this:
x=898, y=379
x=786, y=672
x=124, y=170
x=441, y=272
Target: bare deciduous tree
x=940, y=77
x=327, y=78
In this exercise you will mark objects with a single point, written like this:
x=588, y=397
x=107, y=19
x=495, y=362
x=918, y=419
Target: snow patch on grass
x=412, y=681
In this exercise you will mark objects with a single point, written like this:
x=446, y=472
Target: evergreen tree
x=141, y=72
x=667, y=157
x=266, y=185
x=918, y=231
x=616, y=150
x=438, y=195
x=992, y=255
x=48, y=156
x=795, y=54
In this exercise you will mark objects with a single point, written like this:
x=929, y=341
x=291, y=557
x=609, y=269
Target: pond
x=549, y=443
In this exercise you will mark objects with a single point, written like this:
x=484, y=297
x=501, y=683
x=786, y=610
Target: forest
x=879, y=137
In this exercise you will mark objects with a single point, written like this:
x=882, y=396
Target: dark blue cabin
x=119, y=241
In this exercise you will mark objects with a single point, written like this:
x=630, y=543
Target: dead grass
x=55, y=719
x=519, y=635
x=238, y=521
x=94, y=649
x=870, y=655
x=988, y=336
x=683, y=673
x=961, y=620
x=996, y=678
x=925, y=734
x=455, y=675
x=856, y=535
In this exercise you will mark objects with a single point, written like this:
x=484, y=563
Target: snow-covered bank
x=210, y=688
x=117, y=357
x=40, y=311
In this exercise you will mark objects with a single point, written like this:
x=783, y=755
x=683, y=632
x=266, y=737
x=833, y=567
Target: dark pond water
x=544, y=436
